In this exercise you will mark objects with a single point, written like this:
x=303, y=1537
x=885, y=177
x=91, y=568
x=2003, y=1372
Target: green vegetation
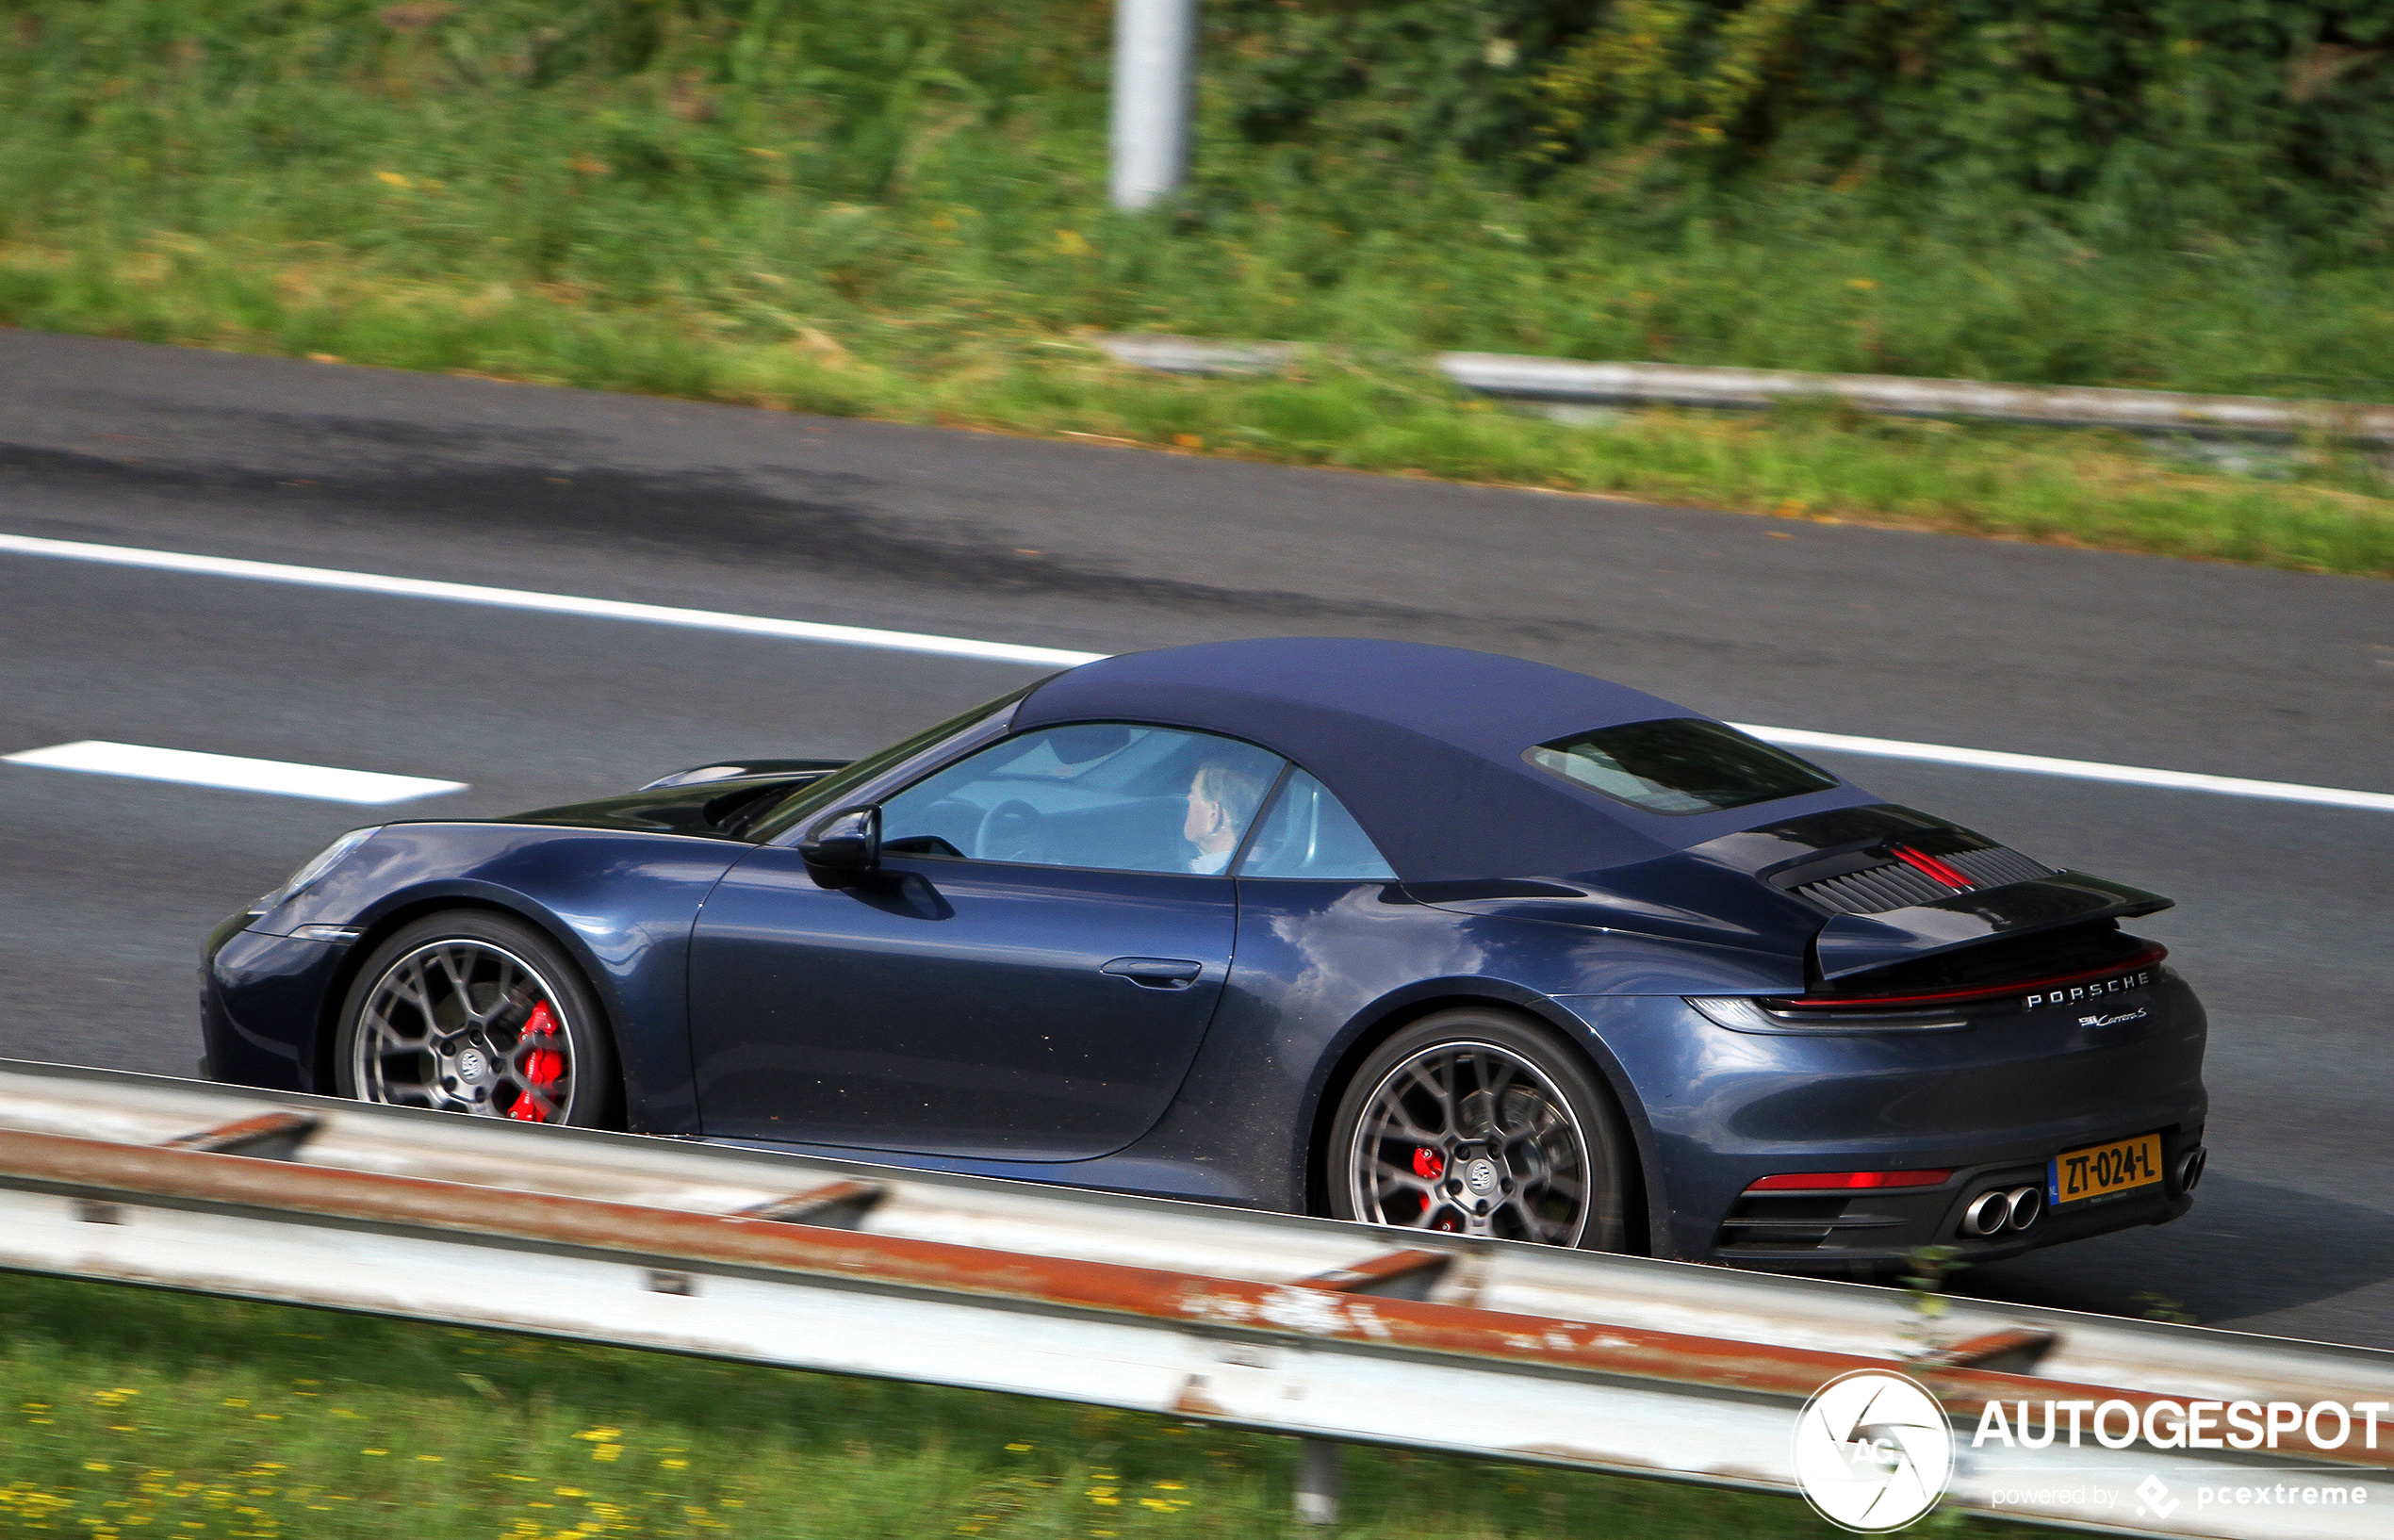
x=136, y=1413
x=897, y=210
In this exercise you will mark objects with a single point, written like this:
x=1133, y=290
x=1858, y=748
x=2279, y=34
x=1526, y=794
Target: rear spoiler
x=1857, y=943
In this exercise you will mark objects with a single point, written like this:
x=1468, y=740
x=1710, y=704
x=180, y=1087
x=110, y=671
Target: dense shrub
x=2100, y=113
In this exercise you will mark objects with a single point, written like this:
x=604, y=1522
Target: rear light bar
x=2145, y=959
x=1920, y=861
x=1848, y=1181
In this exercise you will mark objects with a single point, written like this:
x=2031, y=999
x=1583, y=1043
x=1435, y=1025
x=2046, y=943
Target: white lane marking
x=519, y=598
x=1989, y=759
x=231, y=772
x=958, y=646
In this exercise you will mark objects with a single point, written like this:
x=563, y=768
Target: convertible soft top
x=1423, y=744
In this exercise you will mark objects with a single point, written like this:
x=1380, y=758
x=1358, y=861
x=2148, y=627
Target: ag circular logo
x=1873, y=1451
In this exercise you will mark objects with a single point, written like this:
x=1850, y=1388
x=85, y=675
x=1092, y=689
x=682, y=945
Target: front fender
x=620, y=904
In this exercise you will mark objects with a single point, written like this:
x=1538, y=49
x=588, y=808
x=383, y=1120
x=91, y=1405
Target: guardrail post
x=1316, y=1482
x=1155, y=86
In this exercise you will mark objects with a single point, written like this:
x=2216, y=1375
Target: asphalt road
x=107, y=885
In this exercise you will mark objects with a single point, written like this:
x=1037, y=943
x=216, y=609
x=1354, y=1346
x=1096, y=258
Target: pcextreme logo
x=1873, y=1451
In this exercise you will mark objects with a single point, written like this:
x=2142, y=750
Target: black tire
x=1523, y=1142
x=445, y=1013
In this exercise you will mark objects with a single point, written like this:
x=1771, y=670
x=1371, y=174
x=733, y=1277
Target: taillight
x=2145, y=959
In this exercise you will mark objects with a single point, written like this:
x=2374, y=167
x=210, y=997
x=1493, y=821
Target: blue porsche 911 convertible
x=1400, y=933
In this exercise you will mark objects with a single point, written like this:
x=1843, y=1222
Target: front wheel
x=1474, y=1121
x=474, y=1012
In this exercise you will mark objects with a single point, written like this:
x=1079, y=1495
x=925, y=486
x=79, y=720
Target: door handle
x=1155, y=972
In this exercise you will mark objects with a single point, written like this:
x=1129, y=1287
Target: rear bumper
x=1717, y=1110
x=1821, y=1232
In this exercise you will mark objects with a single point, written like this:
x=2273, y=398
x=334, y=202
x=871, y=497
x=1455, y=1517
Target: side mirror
x=844, y=846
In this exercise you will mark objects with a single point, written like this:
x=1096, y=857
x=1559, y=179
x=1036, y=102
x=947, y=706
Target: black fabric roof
x=1422, y=744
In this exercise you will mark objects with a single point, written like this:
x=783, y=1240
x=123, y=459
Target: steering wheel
x=1008, y=832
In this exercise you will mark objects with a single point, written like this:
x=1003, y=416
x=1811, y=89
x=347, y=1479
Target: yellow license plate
x=2100, y=1170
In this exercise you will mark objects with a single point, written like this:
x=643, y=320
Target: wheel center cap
x=1481, y=1176
x=472, y=1065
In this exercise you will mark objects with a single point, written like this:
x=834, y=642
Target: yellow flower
x=1017, y=1449
x=373, y=1452
x=391, y=179
x=1864, y=283
x=1072, y=243
x=675, y=1465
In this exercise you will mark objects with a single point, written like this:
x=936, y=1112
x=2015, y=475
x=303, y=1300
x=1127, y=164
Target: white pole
x=1154, y=89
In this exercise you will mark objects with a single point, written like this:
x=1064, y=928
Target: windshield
x=818, y=794
x=1679, y=766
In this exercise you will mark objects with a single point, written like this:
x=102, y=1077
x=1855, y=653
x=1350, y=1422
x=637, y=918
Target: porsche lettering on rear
x=2142, y=978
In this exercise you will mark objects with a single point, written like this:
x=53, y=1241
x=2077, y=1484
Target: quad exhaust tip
x=1998, y=1209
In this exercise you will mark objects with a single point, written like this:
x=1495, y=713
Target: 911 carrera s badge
x=2141, y=978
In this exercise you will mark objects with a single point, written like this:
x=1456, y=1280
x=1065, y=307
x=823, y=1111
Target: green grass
x=132, y=1413
x=898, y=212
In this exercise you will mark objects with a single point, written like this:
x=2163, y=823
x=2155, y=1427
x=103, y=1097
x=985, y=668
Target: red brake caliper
x=541, y=1066
x=1429, y=1165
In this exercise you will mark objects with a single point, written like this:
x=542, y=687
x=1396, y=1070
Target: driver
x=1221, y=797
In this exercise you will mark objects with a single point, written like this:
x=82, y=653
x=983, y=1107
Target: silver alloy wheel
x=1472, y=1138
x=465, y=1025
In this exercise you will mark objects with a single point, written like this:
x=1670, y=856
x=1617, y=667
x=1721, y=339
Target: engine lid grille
x=1879, y=880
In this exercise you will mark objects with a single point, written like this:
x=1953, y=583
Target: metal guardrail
x=1568, y=383
x=1326, y=1330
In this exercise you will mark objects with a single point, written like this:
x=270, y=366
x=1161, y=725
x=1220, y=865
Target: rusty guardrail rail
x=1570, y=382
x=1325, y=1330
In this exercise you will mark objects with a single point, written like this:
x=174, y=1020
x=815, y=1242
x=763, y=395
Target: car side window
x=1108, y=795
x=1309, y=833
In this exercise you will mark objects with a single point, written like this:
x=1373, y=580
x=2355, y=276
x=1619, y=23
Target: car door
x=1027, y=975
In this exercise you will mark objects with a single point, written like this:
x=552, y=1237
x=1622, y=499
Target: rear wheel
x=1475, y=1122
x=474, y=1012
